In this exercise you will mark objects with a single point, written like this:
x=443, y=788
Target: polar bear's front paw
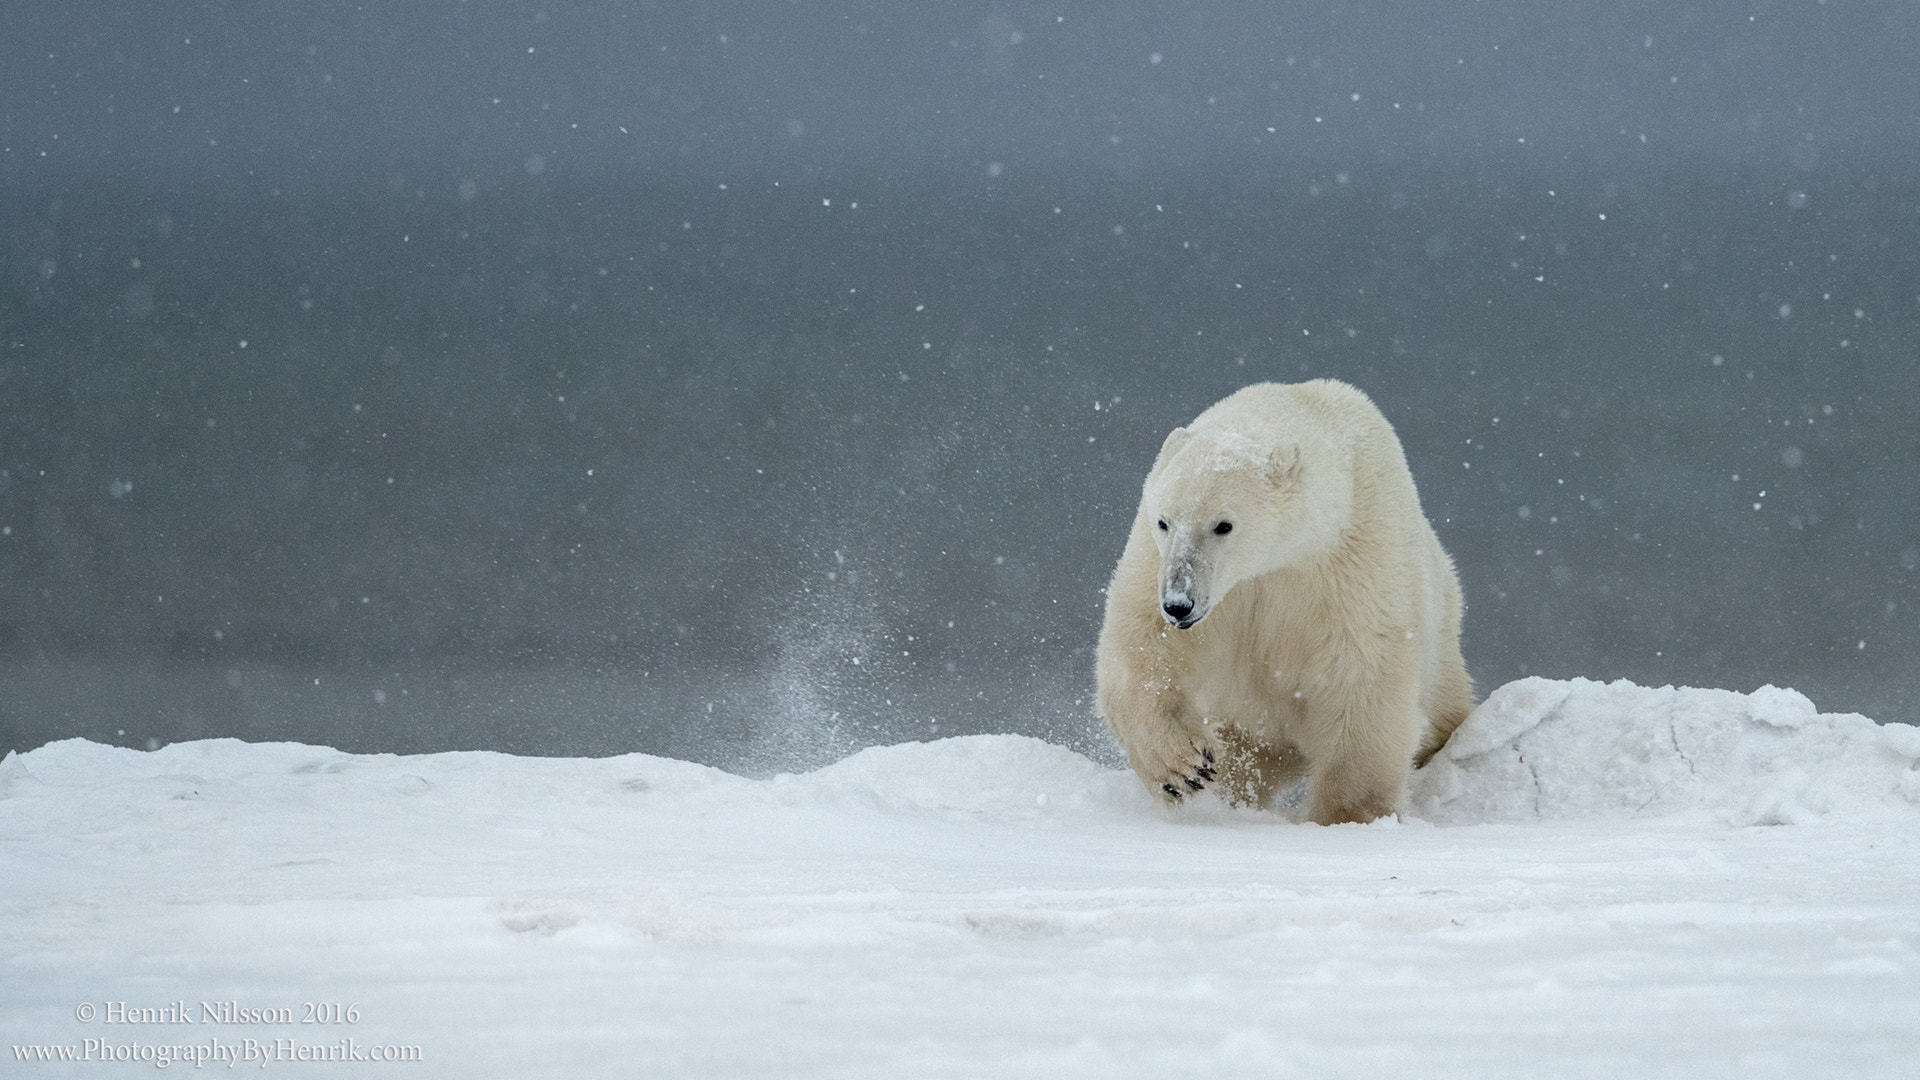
x=1186, y=775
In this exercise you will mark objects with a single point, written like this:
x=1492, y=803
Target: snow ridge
x=1550, y=749
x=1536, y=749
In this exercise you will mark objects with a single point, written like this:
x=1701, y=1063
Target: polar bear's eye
x=1163, y=524
x=1223, y=528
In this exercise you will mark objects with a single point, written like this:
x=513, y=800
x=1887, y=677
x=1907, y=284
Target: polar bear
x=1283, y=607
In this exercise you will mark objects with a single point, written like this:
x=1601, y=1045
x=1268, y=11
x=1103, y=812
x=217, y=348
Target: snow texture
x=1542, y=749
x=1576, y=886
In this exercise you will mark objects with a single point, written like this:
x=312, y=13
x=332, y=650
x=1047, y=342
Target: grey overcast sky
x=290, y=92
x=603, y=376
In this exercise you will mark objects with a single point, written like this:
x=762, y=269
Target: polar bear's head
x=1225, y=508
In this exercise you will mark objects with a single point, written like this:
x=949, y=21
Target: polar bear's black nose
x=1177, y=610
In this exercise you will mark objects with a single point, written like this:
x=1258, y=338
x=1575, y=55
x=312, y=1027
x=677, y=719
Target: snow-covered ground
x=1593, y=880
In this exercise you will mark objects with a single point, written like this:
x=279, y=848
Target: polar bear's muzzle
x=1178, y=610
x=1177, y=602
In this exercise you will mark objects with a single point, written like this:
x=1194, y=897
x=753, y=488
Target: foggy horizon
x=348, y=404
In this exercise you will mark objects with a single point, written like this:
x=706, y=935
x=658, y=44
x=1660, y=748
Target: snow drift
x=1568, y=890
x=1536, y=749
x=1547, y=749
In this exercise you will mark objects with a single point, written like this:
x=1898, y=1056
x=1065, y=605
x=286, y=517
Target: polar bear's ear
x=1176, y=439
x=1284, y=466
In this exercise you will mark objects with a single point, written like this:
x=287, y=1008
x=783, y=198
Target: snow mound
x=1536, y=749
x=237, y=773
x=978, y=774
x=1548, y=749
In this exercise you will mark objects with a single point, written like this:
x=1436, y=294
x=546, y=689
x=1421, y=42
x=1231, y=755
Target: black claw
x=1171, y=791
x=1204, y=773
x=1192, y=783
x=1208, y=754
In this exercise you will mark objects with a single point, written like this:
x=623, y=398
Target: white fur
x=1322, y=628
